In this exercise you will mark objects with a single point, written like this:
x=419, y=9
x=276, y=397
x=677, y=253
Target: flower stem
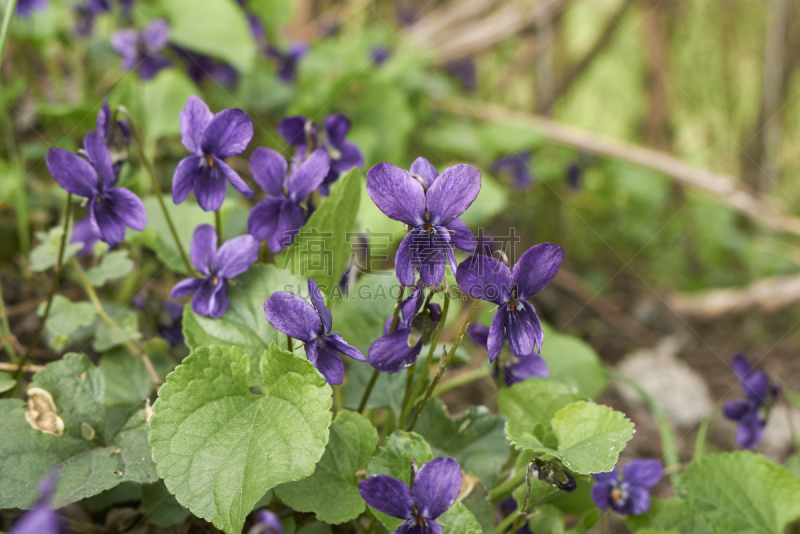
x=98, y=307
x=218, y=223
x=8, y=345
x=56, y=282
x=522, y=511
x=157, y=189
x=289, y=343
x=375, y=373
x=11, y=6
x=505, y=488
x=443, y=363
x=504, y=524
x=409, y=402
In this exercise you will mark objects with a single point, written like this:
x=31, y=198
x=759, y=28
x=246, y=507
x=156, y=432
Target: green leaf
x=666, y=515
x=574, y=362
x=740, y=492
x=316, y=527
x=113, y=265
x=532, y=403
x=322, y=250
x=244, y=324
x=6, y=381
x=548, y=519
x=273, y=13
x=394, y=459
x=216, y=28
x=220, y=447
x=161, y=508
x=65, y=318
x=126, y=377
x=459, y=520
x=107, y=337
x=477, y=439
x=590, y=437
x=163, y=98
x=481, y=507
x=332, y=492
x=87, y=467
x=45, y=254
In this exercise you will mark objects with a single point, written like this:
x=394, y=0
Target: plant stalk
x=522, y=511
x=157, y=190
x=11, y=7
x=101, y=312
x=8, y=345
x=218, y=224
x=376, y=373
x=409, y=402
x=460, y=380
x=443, y=363
x=289, y=344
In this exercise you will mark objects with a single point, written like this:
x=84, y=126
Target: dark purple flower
x=201, y=68
x=395, y=351
x=212, y=139
x=111, y=209
x=486, y=278
x=42, y=518
x=287, y=61
x=142, y=50
x=26, y=7
x=267, y=522
x=515, y=369
x=85, y=14
x=172, y=331
x=629, y=494
x=508, y=506
x=380, y=54
x=82, y=232
x=233, y=258
x=464, y=71
x=279, y=217
x=303, y=134
x=753, y=412
x=430, y=205
x=574, y=171
x=433, y=490
x=258, y=31
x=311, y=324
x=518, y=166
x=116, y=134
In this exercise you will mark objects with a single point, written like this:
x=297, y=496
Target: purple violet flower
x=258, y=31
x=432, y=491
x=111, y=209
x=518, y=166
x=753, y=412
x=514, y=369
x=299, y=131
x=115, y=134
x=629, y=494
x=233, y=258
x=42, y=518
x=85, y=14
x=486, y=278
x=397, y=350
x=379, y=54
x=311, y=324
x=464, y=71
x=279, y=217
x=82, y=232
x=201, y=68
x=172, y=331
x=26, y=7
x=287, y=61
x=212, y=139
x=267, y=522
x=430, y=204
x=574, y=172
x=142, y=50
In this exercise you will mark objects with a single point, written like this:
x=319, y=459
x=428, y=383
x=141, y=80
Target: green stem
x=460, y=380
x=289, y=344
x=523, y=511
x=700, y=442
x=443, y=363
x=56, y=282
x=409, y=403
x=157, y=189
x=504, y=489
x=8, y=345
x=505, y=523
x=668, y=445
x=101, y=312
x=375, y=373
x=218, y=223
x=7, y=16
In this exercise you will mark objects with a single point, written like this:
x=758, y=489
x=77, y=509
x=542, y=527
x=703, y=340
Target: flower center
x=428, y=227
x=421, y=521
x=512, y=305
x=619, y=494
x=210, y=160
x=215, y=281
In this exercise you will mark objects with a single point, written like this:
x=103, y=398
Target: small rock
x=778, y=441
x=679, y=390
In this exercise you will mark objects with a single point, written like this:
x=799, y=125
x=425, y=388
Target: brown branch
x=768, y=295
x=25, y=368
x=722, y=187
